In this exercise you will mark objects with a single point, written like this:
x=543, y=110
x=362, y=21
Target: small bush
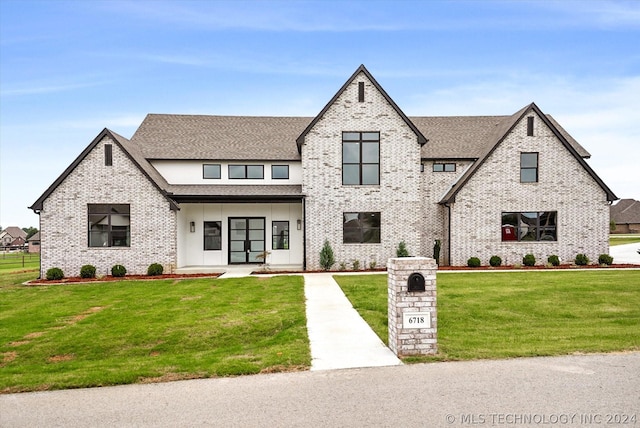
x=155, y=269
x=529, y=260
x=54, y=274
x=402, y=251
x=473, y=262
x=582, y=260
x=326, y=256
x=342, y=266
x=356, y=265
x=88, y=271
x=372, y=265
x=495, y=261
x=554, y=260
x=605, y=259
x=118, y=271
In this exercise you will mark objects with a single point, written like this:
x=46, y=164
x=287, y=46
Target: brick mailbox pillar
x=413, y=317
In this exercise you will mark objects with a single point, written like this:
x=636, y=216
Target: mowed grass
x=83, y=335
x=623, y=239
x=502, y=315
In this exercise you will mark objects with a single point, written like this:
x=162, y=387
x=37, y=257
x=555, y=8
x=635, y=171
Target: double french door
x=246, y=239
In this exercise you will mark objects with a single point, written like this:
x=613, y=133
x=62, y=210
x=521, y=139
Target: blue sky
x=68, y=69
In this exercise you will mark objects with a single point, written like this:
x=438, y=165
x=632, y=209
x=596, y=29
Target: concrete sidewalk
x=627, y=253
x=339, y=337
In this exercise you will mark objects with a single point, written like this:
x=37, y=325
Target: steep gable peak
x=360, y=70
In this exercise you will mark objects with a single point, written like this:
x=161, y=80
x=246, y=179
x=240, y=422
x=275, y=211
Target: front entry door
x=246, y=239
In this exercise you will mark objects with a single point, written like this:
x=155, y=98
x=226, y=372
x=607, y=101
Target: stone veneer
x=404, y=340
x=563, y=186
x=397, y=198
x=64, y=218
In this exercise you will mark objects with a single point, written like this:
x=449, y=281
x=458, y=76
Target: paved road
x=627, y=253
x=593, y=390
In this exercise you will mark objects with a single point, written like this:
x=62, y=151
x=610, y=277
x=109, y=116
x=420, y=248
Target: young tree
x=326, y=256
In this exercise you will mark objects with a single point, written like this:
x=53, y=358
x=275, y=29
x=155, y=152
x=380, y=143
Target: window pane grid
x=529, y=226
x=109, y=225
x=212, y=235
x=361, y=158
x=280, y=235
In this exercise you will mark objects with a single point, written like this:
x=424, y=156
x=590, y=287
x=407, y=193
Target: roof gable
x=362, y=69
x=502, y=130
x=127, y=148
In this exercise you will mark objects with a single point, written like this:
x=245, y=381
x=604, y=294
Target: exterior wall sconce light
x=299, y=224
x=192, y=226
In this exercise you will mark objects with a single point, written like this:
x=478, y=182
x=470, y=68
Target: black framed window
x=444, y=167
x=279, y=172
x=108, y=155
x=280, y=235
x=109, y=225
x=361, y=228
x=530, y=126
x=530, y=226
x=246, y=171
x=361, y=158
x=212, y=171
x=529, y=167
x=212, y=235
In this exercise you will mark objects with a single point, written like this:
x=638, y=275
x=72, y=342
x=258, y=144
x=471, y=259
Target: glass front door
x=246, y=239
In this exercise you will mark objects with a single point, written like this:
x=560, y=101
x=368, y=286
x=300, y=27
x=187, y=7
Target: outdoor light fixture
x=299, y=224
x=192, y=226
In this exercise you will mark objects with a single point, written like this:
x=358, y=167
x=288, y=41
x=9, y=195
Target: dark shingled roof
x=626, y=211
x=238, y=193
x=172, y=136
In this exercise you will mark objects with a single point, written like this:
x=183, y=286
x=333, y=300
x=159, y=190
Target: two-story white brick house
x=203, y=191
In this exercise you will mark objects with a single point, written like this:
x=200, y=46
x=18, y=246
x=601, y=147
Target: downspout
x=304, y=234
x=448, y=205
x=40, y=248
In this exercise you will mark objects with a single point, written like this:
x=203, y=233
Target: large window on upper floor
x=279, y=172
x=529, y=167
x=109, y=225
x=360, y=158
x=211, y=171
x=529, y=226
x=246, y=171
x=361, y=228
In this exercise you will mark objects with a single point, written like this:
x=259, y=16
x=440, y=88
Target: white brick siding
x=397, y=197
x=64, y=218
x=563, y=186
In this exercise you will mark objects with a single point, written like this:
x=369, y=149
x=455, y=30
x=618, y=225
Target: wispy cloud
x=38, y=88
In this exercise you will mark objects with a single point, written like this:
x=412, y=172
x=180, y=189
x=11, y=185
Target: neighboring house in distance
x=33, y=243
x=626, y=215
x=12, y=238
x=195, y=191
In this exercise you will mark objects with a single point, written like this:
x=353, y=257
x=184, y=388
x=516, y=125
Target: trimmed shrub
x=495, y=261
x=473, y=262
x=582, y=260
x=88, y=271
x=605, y=259
x=54, y=274
x=402, y=251
x=155, y=269
x=529, y=260
x=554, y=260
x=326, y=256
x=118, y=271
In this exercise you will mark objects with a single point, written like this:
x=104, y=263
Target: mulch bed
x=109, y=278
x=456, y=268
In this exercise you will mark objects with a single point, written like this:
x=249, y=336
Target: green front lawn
x=82, y=335
x=501, y=315
x=623, y=239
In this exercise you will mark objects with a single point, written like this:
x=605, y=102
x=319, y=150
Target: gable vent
x=361, y=92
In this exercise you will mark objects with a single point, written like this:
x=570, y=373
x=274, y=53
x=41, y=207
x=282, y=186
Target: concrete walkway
x=339, y=337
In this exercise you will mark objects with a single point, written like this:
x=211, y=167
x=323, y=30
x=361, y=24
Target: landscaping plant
x=554, y=260
x=54, y=274
x=473, y=262
x=88, y=271
x=529, y=260
x=495, y=261
x=402, y=251
x=155, y=269
x=582, y=260
x=326, y=256
x=605, y=259
x=118, y=271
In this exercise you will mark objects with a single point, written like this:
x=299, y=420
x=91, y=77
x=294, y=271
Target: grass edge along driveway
x=519, y=314
x=85, y=335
